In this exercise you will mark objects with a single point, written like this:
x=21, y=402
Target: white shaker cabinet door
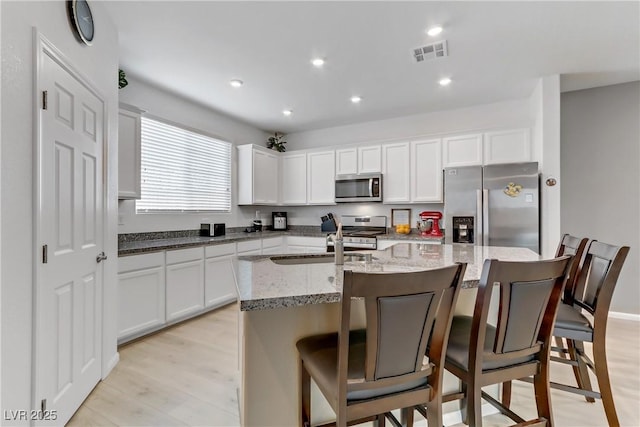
x=321, y=178
x=265, y=183
x=294, y=178
x=507, y=146
x=220, y=282
x=141, y=294
x=369, y=159
x=396, y=173
x=347, y=161
x=426, y=171
x=462, y=150
x=185, y=283
x=129, y=151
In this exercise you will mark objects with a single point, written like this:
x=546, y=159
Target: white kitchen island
x=283, y=300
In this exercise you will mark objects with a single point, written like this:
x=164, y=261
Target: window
x=183, y=171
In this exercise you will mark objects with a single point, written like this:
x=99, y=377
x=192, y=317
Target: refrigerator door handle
x=479, y=217
x=485, y=217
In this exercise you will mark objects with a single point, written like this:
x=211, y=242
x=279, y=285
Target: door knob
x=101, y=257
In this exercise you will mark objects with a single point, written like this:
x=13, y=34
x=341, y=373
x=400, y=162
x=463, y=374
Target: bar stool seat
x=572, y=324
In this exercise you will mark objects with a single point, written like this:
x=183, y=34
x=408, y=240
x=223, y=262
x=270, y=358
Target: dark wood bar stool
x=569, y=245
x=364, y=374
x=594, y=285
x=480, y=354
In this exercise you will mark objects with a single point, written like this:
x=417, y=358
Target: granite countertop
x=139, y=243
x=149, y=242
x=263, y=284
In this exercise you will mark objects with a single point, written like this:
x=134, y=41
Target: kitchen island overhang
x=283, y=302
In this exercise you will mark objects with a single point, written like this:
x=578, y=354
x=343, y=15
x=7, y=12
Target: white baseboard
x=624, y=316
x=112, y=364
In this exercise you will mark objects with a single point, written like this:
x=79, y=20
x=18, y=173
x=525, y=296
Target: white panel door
x=185, y=289
x=265, y=178
x=70, y=224
x=129, y=146
x=426, y=171
x=396, y=171
x=219, y=281
x=369, y=159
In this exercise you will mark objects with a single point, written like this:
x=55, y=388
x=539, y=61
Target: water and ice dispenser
x=463, y=229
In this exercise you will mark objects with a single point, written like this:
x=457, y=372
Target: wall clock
x=81, y=20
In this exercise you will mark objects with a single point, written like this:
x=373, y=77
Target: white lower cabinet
x=385, y=244
x=250, y=247
x=219, y=276
x=141, y=294
x=301, y=244
x=185, y=282
x=272, y=245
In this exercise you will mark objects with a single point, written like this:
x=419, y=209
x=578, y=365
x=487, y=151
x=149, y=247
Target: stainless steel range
x=360, y=232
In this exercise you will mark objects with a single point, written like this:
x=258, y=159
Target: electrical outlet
x=120, y=219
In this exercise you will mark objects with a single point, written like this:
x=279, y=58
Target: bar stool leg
x=576, y=348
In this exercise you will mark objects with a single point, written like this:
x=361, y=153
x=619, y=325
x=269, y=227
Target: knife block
x=329, y=225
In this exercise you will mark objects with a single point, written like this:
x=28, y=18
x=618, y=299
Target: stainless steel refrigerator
x=496, y=205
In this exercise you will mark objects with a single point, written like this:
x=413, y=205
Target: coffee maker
x=279, y=220
x=432, y=217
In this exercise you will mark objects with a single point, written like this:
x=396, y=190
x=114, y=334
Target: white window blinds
x=183, y=171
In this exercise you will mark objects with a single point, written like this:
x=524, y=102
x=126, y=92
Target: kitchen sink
x=317, y=259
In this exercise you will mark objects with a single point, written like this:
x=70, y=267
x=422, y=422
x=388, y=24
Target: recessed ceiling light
x=317, y=62
x=236, y=83
x=356, y=99
x=434, y=31
x=445, y=82
x=287, y=112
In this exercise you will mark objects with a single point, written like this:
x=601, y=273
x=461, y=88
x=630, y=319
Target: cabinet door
x=272, y=245
x=426, y=171
x=508, y=146
x=265, y=177
x=369, y=159
x=294, y=179
x=220, y=281
x=347, y=161
x=185, y=283
x=321, y=178
x=396, y=174
x=141, y=301
x=129, y=130
x=463, y=150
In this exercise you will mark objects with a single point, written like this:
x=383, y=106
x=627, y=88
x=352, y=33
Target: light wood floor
x=187, y=376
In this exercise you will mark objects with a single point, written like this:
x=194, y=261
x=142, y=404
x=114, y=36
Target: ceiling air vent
x=431, y=51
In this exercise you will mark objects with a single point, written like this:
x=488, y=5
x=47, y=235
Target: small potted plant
x=276, y=142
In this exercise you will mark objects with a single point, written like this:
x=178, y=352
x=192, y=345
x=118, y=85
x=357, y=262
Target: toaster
x=212, y=230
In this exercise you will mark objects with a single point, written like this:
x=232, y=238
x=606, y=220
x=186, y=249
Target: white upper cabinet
x=355, y=160
x=369, y=159
x=293, y=167
x=347, y=161
x=426, y=171
x=257, y=176
x=129, y=131
x=321, y=175
x=507, y=146
x=396, y=175
x=412, y=171
x=462, y=150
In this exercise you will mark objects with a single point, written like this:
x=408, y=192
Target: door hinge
x=45, y=254
x=45, y=99
x=43, y=405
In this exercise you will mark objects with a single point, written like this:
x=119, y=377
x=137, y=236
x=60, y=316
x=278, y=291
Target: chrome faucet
x=338, y=246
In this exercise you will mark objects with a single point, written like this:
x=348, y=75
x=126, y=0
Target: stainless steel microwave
x=359, y=188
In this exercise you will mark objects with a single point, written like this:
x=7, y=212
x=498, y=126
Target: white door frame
x=43, y=46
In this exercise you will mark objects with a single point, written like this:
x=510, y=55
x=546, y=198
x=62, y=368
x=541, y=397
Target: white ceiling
x=497, y=51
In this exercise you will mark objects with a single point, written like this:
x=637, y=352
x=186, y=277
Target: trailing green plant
x=122, y=79
x=276, y=142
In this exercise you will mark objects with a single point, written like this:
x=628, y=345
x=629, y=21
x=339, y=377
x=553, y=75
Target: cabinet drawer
x=220, y=250
x=249, y=245
x=184, y=255
x=140, y=262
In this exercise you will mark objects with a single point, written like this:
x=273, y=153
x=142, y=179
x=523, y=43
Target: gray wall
x=600, y=156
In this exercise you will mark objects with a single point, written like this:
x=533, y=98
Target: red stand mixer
x=433, y=229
